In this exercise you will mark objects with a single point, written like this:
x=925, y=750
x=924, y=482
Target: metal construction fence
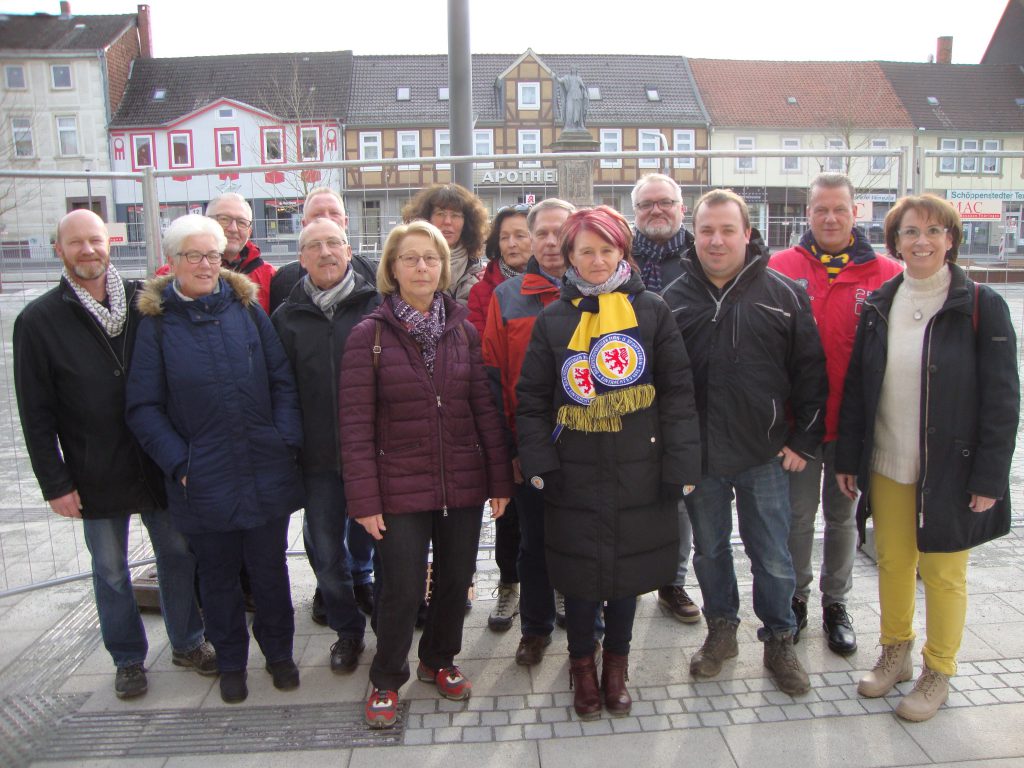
x=38, y=548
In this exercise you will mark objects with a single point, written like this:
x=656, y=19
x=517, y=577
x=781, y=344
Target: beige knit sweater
x=897, y=452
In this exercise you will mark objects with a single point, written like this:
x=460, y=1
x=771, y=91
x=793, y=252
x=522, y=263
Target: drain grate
x=161, y=733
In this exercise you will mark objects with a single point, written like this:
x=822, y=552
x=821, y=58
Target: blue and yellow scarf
x=606, y=370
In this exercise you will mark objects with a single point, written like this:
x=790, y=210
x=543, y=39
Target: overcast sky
x=896, y=30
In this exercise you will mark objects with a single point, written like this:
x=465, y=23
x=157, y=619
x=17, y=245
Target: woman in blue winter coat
x=212, y=400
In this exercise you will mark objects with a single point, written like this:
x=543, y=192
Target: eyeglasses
x=517, y=208
x=932, y=233
x=226, y=221
x=195, y=257
x=332, y=243
x=413, y=259
x=665, y=205
x=443, y=214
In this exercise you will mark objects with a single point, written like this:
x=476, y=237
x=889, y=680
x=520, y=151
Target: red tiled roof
x=758, y=93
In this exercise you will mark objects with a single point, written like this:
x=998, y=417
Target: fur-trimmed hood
x=151, y=297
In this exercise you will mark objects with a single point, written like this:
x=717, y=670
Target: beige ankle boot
x=930, y=692
x=894, y=666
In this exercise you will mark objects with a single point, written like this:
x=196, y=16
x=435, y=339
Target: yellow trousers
x=944, y=575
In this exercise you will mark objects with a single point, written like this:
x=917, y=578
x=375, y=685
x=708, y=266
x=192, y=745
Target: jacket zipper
x=440, y=454
x=718, y=302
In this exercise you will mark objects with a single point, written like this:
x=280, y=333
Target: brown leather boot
x=614, y=674
x=583, y=680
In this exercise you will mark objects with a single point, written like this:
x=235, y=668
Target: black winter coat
x=314, y=345
x=610, y=499
x=70, y=381
x=970, y=406
x=756, y=354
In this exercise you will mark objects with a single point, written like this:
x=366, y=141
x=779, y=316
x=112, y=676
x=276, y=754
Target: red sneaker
x=450, y=681
x=382, y=709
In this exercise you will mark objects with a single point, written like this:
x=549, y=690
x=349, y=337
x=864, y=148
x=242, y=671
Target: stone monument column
x=576, y=177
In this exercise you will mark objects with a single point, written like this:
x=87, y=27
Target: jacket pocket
x=403, y=460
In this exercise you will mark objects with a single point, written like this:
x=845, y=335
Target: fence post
x=918, y=170
x=151, y=221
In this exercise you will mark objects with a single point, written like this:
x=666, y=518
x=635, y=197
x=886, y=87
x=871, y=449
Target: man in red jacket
x=242, y=255
x=835, y=263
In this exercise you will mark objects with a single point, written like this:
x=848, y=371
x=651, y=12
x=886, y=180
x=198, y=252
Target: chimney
x=944, y=51
x=145, y=33
x=65, y=9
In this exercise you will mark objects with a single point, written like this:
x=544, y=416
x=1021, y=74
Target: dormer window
x=403, y=93
x=529, y=95
x=652, y=94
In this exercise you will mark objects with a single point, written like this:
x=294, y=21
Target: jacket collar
x=634, y=284
x=158, y=292
x=534, y=281
x=301, y=300
x=755, y=263
x=958, y=299
x=454, y=313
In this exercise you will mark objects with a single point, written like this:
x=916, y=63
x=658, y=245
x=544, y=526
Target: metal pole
x=918, y=170
x=151, y=220
x=901, y=175
x=460, y=90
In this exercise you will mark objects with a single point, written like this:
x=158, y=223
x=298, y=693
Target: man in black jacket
x=659, y=243
x=72, y=349
x=756, y=354
x=314, y=324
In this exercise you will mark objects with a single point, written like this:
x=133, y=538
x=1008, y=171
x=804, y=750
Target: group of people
x=607, y=390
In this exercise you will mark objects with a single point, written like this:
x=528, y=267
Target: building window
x=652, y=93
x=791, y=164
x=408, y=146
x=947, y=164
x=225, y=112
x=442, y=148
x=369, y=149
x=594, y=92
x=529, y=95
x=142, y=152
x=483, y=144
x=180, y=149
x=21, y=131
x=683, y=140
x=611, y=141
x=272, y=145
x=969, y=164
x=403, y=93
x=835, y=164
x=14, y=77
x=649, y=141
x=990, y=164
x=745, y=164
x=879, y=164
x=159, y=94
x=442, y=93
x=529, y=144
x=309, y=143
x=226, y=140
x=67, y=136
x=60, y=76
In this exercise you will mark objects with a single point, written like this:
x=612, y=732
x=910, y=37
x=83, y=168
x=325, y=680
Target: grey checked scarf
x=328, y=300
x=111, y=320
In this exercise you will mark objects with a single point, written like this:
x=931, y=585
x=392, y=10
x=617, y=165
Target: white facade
x=226, y=135
x=52, y=118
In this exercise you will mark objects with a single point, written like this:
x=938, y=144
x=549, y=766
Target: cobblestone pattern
x=692, y=705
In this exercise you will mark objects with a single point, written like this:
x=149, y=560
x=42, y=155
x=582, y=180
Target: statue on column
x=573, y=101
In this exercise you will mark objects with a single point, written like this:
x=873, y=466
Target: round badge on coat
x=576, y=379
x=618, y=360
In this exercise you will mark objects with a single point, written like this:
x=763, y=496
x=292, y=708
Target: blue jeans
x=323, y=531
x=685, y=545
x=120, y=624
x=219, y=558
x=762, y=507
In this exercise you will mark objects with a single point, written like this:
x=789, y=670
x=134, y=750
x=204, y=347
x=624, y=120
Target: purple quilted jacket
x=411, y=442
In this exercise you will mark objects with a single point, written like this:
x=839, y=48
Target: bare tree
x=18, y=151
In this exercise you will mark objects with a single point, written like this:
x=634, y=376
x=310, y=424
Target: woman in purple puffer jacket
x=422, y=448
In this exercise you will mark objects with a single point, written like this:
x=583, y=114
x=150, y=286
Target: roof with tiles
x=960, y=97
x=308, y=86
x=1005, y=46
x=43, y=32
x=622, y=81
x=798, y=94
